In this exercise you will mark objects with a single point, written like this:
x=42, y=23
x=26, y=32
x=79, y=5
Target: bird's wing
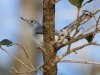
x=83, y=19
x=39, y=30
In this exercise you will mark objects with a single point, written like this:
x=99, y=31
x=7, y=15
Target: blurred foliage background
x=14, y=29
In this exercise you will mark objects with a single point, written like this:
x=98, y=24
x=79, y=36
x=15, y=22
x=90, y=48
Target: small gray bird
x=36, y=30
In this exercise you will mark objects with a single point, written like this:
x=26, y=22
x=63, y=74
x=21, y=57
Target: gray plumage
x=36, y=30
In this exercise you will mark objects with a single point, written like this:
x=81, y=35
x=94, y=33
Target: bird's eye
x=31, y=21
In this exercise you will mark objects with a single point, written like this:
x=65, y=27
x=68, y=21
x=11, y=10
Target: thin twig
x=78, y=19
x=97, y=11
x=87, y=29
x=31, y=62
x=25, y=51
x=81, y=37
x=28, y=72
x=93, y=9
x=84, y=19
x=77, y=48
x=41, y=48
x=68, y=50
x=22, y=48
x=78, y=61
x=16, y=58
x=97, y=22
x=15, y=71
x=27, y=56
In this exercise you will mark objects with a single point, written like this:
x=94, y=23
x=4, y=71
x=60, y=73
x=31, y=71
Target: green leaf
x=89, y=38
x=6, y=42
x=87, y=2
x=77, y=3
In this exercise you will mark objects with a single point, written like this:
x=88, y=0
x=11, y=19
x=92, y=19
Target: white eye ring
x=31, y=21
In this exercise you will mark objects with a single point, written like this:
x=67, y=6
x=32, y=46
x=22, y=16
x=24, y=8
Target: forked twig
x=77, y=48
x=25, y=51
x=16, y=58
x=33, y=69
x=28, y=72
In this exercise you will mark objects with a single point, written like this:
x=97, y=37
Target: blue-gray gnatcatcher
x=36, y=30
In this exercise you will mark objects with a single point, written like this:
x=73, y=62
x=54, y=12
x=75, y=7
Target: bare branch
x=74, y=25
x=31, y=62
x=78, y=61
x=97, y=11
x=81, y=37
x=28, y=72
x=23, y=49
x=93, y=9
x=41, y=48
x=77, y=48
x=83, y=19
x=27, y=56
x=16, y=59
x=68, y=50
x=80, y=47
x=87, y=29
x=15, y=71
x=68, y=29
x=97, y=22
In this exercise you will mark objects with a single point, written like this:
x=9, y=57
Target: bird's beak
x=24, y=19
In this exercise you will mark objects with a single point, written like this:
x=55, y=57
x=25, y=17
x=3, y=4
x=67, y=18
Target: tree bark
x=50, y=67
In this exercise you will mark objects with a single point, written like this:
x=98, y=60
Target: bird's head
x=32, y=24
